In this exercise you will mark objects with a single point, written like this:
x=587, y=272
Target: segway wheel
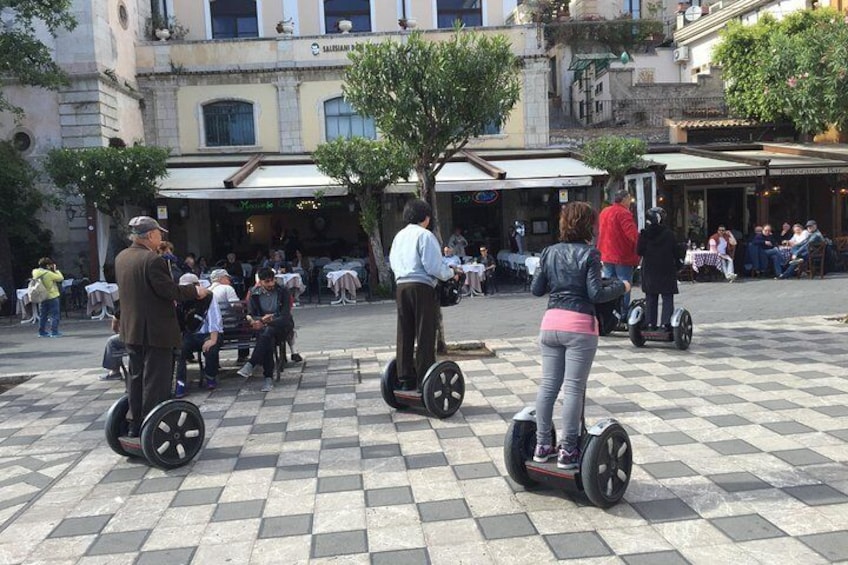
x=389, y=383
x=519, y=444
x=634, y=326
x=172, y=434
x=606, y=466
x=443, y=389
x=683, y=331
x=117, y=425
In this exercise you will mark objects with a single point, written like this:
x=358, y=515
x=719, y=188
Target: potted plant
x=344, y=26
x=408, y=23
x=285, y=27
x=163, y=34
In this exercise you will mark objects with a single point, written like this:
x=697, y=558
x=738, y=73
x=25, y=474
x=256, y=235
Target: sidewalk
x=740, y=445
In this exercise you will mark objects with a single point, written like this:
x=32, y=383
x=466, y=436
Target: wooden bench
x=238, y=334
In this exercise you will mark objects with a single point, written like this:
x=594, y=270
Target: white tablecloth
x=532, y=263
x=475, y=274
x=343, y=280
x=291, y=280
x=101, y=295
x=23, y=300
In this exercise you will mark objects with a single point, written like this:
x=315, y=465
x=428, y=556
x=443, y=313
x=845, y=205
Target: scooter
x=680, y=331
x=603, y=473
x=171, y=435
x=441, y=394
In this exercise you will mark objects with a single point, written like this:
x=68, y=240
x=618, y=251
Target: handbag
x=37, y=291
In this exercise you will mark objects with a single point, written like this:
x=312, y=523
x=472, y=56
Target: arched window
x=233, y=18
x=469, y=12
x=342, y=121
x=228, y=123
x=357, y=11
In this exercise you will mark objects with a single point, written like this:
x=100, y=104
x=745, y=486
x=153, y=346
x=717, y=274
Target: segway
x=441, y=394
x=171, y=435
x=603, y=473
x=680, y=331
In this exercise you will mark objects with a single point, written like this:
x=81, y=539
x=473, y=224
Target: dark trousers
x=652, y=302
x=416, y=307
x=266, y=341
x=149, y=384
x=194, y=342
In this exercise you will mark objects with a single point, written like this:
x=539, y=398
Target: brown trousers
x=151, y=370
x=417, y=309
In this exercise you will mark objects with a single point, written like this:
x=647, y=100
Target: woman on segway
x=660, y=254
x=570, y=273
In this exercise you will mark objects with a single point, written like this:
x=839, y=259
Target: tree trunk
x=7, y=277
x=428, y=194
x=610, y=187
x=376, y=240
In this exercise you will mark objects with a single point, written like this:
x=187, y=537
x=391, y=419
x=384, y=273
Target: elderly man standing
x=148, y=325
x=617, y=237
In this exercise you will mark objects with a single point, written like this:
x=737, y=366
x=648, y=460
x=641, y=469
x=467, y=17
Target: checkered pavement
x=740, y=449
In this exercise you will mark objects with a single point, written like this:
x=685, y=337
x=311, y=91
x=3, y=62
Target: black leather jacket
x=571, y=274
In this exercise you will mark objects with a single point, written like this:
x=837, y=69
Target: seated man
x=269, y=313
x=450, y=259
x=753, y=255
x=112, y=353
x=224, y=293
x=489, y=263
x=201, y=324
x=723, y=243
x=770, y=250
x=801, y=251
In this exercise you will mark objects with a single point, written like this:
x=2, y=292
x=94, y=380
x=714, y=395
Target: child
x=660, y=254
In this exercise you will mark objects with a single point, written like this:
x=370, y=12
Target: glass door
x=643, y=189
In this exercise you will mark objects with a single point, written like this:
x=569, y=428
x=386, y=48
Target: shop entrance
x=480, y=215
x=706, y=208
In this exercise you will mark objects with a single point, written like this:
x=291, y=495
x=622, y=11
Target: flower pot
x=285, y=28
x=345, y=26
x=163, y=34
x=411, y=23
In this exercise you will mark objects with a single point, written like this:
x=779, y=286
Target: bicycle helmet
x=655, y=215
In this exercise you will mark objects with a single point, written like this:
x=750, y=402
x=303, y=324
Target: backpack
x=192, y=313
x=36, y=290
x=449, y=292
x=608, y=313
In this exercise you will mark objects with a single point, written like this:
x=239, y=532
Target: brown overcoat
x=147, y=292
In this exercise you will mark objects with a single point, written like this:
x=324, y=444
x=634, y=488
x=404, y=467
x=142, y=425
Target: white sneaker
x=731, y=277
x=268, y=386
x=246, y=371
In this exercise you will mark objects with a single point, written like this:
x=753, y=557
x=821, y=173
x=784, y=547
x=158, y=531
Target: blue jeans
x=49, y=309
x=776, y=258
x=801, y=252
x=566, y=361
x=622, y=273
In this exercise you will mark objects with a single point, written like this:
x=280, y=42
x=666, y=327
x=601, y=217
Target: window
x=233, y=18
x=228, y=123
x=123, y=15
x=22, y=141
x=469, y=12
x=632, y=7
x=492, y=128
x=342, y=121
x=357, y=11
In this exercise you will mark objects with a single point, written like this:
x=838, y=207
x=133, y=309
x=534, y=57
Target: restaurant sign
x=481, y=197
x=808, y=171
x=720, y=174
x=282, y=204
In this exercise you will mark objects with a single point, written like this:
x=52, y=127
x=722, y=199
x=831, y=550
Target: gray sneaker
x=246, y=371
x=268, y=386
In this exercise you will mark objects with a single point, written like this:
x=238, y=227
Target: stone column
x=161, y=119
x=535, y=97
x=288, y=100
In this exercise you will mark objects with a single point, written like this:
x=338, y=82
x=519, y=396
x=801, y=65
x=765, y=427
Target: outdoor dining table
x=102, y=296
x=292, y=281
x=344, y=283
x=475, y=274
x=22, y=295
x=700, y=258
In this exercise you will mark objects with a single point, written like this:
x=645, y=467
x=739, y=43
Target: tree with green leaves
x=109, y=178
x=24, y=58
x=366, y=167
x=795, y=69
x=615, y=155
x=432, y=97
x=22, y=238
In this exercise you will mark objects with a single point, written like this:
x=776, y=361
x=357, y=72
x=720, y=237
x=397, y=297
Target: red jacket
x=617, y=236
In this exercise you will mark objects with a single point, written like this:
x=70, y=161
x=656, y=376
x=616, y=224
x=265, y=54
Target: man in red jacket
x=617, y=236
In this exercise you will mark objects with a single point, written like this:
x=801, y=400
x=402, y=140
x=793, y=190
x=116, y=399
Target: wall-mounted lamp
x=351, y=206
x=546, y=197
x=184, y=211
x=249, y=226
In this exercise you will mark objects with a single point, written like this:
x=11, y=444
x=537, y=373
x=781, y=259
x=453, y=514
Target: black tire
x=172, y=434
x=683, y=331
x=606, y=466
x=519, y=444
x=635, y=330
x=443, y=389
x=117, y=425
x=389, y=383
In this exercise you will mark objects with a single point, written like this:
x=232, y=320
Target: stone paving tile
x=736, y=461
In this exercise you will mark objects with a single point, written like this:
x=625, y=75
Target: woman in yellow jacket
x=51, y=278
